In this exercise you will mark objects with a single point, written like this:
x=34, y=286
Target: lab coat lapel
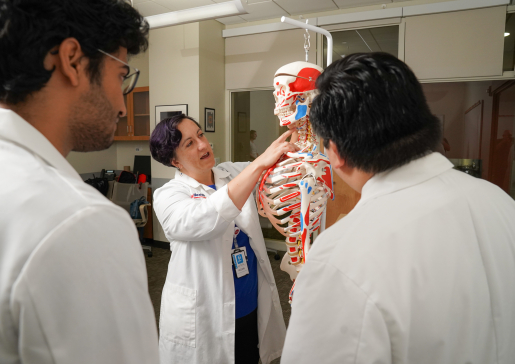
x=408, y=175
x=246, y=218
x=219, y=173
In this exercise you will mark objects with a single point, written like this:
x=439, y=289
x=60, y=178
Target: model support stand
x=293, y=193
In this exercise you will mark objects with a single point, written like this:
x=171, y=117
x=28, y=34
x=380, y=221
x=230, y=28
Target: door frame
x=495, y=122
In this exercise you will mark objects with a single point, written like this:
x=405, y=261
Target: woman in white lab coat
x=209, y=312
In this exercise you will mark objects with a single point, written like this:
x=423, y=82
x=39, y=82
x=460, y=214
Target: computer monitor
x=142, y=166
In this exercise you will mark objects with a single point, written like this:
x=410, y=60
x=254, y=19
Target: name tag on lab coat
x=239, y=260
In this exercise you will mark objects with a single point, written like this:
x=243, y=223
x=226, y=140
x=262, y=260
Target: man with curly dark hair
x=422, y=269
x=73, y=285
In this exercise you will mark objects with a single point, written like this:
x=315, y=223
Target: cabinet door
x=141, y=112
x=465, y=43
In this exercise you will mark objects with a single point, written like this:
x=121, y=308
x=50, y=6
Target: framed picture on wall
x=209, y=120
x=242, y=122
x=167, y=111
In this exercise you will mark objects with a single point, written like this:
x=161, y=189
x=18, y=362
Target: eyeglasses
x=129, y=81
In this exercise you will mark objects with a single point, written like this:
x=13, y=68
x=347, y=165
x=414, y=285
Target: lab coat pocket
x=177, y=323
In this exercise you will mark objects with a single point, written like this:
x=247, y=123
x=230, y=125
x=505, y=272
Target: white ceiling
x=258, y=9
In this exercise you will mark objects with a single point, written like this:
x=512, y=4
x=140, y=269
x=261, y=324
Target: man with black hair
x=73, y=284
x=422, y=269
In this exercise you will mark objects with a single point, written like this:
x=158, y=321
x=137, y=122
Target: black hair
x=29, y=29
x=166, y=137
x=372, y=107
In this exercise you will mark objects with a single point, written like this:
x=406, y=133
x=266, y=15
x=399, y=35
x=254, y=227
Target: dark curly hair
x=29, y=29
x=166, y=138
x=372, y=107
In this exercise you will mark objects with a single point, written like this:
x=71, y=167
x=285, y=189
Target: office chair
x=123, y=194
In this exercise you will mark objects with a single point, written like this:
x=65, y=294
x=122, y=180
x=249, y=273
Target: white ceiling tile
x=357, y=3
x=139, y=1
x=221, y=1
x=175, y=5
x=231, y=20
x=150, y=8
x=263, y=10
x=306, y=6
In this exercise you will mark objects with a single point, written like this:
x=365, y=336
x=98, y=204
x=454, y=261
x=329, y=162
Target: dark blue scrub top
x=245, y=288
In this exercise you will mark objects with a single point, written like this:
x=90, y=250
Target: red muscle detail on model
x=304, y=84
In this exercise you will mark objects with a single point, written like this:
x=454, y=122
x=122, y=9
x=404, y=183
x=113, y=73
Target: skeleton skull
x=294, y=86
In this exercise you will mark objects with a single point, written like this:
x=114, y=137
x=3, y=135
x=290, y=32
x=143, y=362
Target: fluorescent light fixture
x=215, y=11
x=506, y=34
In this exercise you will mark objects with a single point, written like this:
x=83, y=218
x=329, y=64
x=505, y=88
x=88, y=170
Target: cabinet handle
x=127, y=129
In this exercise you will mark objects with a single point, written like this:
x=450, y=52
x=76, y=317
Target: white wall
x=251, y=60
x=93, y=162
x=173, y=79
x=140, y=62
x=174, y=75
x=127, y=151
x=212, y=83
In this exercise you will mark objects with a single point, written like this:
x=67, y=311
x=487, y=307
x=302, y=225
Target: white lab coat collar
x=219, y=174
x=15, y=129
x=413, y=173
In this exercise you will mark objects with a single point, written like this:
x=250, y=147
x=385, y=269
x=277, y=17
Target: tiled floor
x=157, y=267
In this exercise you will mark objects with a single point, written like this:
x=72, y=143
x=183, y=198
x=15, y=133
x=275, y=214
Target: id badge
x=239, y=260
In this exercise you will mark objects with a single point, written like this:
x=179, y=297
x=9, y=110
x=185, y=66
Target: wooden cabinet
x=136, y=124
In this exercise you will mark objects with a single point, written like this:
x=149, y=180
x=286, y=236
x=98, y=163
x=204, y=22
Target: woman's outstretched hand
x=279, y=147
x=240, y=188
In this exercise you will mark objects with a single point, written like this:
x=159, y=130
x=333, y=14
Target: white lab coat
x=421, y=271
x=73, y=283
x=198, y=302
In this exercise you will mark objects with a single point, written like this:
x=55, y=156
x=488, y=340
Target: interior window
x=380, y=39
x=254, y=111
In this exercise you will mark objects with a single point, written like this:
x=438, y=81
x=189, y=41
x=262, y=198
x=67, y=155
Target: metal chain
x=307, y=43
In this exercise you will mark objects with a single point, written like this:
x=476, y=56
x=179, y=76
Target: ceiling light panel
x=175, y=5
x=232, y=20
x=150, y=8
x=342, y=4
x=257, y=1
x=263, y=10
x=306, y=6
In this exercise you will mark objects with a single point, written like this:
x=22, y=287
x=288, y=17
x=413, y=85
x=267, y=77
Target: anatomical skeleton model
x=293, y=193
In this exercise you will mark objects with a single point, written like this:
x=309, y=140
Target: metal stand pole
x=315, y=29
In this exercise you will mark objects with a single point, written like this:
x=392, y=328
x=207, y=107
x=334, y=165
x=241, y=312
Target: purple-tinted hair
x=166, y=137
